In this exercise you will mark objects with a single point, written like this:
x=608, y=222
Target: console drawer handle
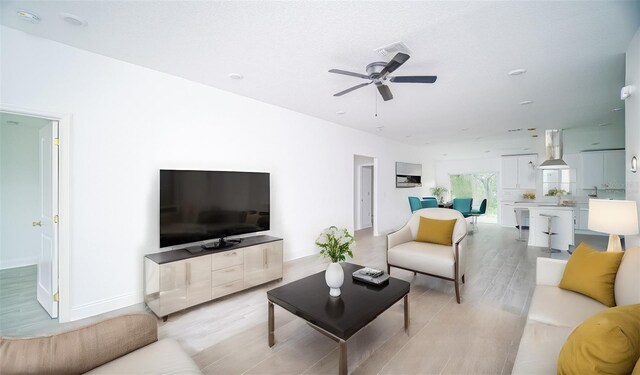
x=230, y=254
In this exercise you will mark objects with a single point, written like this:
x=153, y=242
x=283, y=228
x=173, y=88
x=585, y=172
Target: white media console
x=178, y=279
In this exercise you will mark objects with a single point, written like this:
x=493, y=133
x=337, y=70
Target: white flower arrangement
x=335, y=244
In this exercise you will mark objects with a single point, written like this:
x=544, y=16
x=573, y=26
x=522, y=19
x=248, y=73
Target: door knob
x=36, y=224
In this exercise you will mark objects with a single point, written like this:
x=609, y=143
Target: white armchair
x=445, y=262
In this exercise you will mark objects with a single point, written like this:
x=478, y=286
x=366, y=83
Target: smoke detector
x=393, y=48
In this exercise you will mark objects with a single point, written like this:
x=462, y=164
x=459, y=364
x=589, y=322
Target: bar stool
x=519, y=212
x=549, y=233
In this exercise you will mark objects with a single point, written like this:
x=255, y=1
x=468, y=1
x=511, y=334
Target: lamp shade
x=613, y=216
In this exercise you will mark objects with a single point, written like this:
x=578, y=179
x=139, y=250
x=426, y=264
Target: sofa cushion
x=606, y=343
x=162, y=357
x=78, y=350
x=423, y=257
x=435, y=231
x=559, y=307
x=592, y=273
x=539, y=347
x=628, y=278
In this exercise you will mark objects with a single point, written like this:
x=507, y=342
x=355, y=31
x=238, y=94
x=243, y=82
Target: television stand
x=221, y=244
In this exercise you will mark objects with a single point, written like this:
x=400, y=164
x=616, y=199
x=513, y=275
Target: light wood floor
x=481, y=335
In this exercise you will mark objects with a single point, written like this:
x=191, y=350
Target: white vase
x=335, y=278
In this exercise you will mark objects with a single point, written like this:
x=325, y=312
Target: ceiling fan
x=378, y=73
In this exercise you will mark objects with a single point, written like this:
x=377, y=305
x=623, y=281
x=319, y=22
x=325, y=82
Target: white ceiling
x=573, y=52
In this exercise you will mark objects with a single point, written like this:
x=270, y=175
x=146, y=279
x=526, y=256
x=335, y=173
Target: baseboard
x=22, y=262
x=102, y=306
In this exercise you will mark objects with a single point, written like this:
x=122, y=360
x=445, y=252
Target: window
x=477, y=186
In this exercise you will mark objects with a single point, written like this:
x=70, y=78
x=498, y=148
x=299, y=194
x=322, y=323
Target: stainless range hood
x=553, y=146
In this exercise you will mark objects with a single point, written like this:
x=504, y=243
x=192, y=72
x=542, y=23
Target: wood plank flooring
x=478, y=336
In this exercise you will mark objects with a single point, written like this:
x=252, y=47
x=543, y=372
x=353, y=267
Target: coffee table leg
x=271, y=325
x=406, y=312
x=342, y=370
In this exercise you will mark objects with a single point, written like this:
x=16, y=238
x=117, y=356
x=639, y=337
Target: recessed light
x=379, y=128
x=595, y=143
x=427, y=143
x=617, y=109
x=444, y=154
x=408, y=136
x=28, y=16
x=526, y=102
x=341, y=112
x=605, y=124
x=73, y=20
x=517, y=72
x=236, y=76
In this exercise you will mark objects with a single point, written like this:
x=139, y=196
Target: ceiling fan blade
x=352, y=88
x=385, y=92
x=338, y=71
x=396, y=62
x=414, y=79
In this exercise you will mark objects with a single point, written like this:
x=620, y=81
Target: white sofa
x=445, y=262
x=555, y=312
x=126, y=344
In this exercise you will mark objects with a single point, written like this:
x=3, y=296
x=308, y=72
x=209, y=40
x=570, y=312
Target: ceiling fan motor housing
x=374, y=69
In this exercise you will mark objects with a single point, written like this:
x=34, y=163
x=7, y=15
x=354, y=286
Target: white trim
x=22, y=262
x=104, y=305
x=64, y=211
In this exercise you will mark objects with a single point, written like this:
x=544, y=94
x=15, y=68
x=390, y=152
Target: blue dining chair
x=429, y=203
x=463, y=205
x=415, y=204
x=479, y=212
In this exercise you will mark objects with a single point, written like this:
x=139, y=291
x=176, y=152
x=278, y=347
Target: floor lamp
x=614, y=217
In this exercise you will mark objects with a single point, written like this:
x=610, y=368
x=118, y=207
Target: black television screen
x=204, y=205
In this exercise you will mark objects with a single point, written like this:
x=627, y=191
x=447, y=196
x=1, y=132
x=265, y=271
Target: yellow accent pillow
x=435, y=231
x=636, y=370
x=592, y=273
x=606, y=343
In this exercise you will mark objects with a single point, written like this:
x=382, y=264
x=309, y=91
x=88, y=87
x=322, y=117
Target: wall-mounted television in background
x=204, y=205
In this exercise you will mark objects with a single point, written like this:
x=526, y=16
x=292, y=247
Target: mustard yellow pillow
x=435, y=231
x=636, y=370
x=606, y=343
x=592, y=273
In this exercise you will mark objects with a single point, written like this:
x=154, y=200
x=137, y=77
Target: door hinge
x=56, y=141
x=55, y=219
x=56, y=297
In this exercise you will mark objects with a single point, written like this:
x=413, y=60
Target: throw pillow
x=435, y=231
x=606, y=343
x=592, y=273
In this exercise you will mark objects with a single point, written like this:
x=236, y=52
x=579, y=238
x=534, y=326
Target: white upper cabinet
x=519, y=172
x=603, y=169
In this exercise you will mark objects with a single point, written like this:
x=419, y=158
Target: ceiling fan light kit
x=378, y=74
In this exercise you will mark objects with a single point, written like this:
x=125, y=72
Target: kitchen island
x=562, y=224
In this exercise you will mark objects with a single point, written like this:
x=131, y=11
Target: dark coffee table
x=341, y=317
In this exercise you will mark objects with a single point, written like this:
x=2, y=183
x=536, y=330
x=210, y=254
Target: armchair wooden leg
x=388, y=269
x=457, y=292
x=463, y=279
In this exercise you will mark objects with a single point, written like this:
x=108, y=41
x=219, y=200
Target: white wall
x=129, y=121
x=19, y=194
x=632, y=125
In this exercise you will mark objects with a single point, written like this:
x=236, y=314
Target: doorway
x=364, y=193
x=29, y=215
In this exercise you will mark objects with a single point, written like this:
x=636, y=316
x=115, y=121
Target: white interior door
x=48, y=221
x=366, y=197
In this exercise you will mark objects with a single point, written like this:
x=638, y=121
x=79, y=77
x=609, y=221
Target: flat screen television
x=197, y=206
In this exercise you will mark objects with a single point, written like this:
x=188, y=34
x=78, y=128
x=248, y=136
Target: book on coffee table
x=371, y=276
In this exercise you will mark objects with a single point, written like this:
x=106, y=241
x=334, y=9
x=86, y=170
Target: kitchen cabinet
x=519, y=172
x=603, y=169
